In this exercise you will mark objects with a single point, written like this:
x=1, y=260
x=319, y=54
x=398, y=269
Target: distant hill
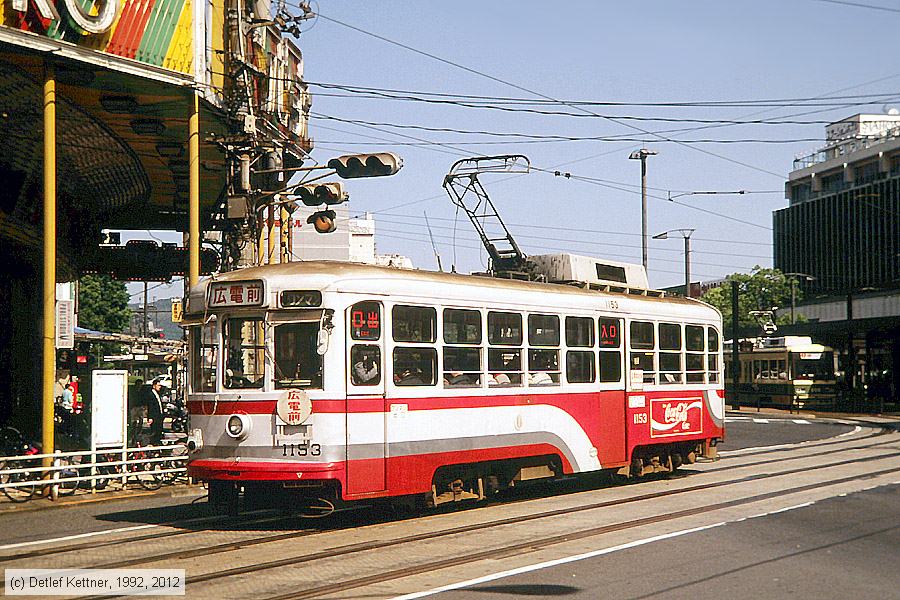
x=159, y=319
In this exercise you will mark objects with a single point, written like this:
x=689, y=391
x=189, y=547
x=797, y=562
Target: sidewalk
x=882, y=419
x=177, y=490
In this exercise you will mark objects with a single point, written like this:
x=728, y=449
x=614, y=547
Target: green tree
x=103, y=304
x=761, y=289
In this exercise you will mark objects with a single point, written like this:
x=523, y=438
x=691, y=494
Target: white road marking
x=801, y=421
x=856, y=429
x=553, y=563
x=592, y=554
x=76, y=536
x=760, y=420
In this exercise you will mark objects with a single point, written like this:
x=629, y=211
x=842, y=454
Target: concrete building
x=842, y=228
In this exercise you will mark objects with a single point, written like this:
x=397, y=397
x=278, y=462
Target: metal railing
x=22, y=477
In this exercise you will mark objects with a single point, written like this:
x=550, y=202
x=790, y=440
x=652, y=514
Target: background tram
x=352, y=382
x=785, y=372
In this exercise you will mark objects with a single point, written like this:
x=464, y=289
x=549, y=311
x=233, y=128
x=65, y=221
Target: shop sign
x=79, y=12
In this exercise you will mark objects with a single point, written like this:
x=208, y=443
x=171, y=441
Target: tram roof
x=335, y=275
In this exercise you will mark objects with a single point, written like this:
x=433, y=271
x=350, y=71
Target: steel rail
x=365, y=546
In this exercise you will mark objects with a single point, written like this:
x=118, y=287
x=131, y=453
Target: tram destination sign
x=236, y=293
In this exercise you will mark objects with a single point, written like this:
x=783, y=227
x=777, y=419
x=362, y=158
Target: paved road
x=752, y=430
x=667, y=558
x=844, y=547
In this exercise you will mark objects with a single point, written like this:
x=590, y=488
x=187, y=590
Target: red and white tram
x=352, y=382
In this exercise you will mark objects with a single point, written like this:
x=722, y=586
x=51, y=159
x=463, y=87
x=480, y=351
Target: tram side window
x=297, y=364
x=504, y=329
x=694, y=343
x=414, y=324
x=670, y=353
x=642, y=339
x=462, y=362
x=365, y=364
x=505, y=367
x=206, y=353
x=581, y=365
x=712, y=364
x=505, y=362
x=414, y=366
x=543, y=363
x=610, y=360
x=244, y=353
x=579, y=332
x=462, y=326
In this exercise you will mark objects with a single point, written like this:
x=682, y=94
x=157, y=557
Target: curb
x=39, y=504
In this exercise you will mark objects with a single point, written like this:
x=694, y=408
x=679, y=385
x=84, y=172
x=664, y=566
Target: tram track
x=346, y=550
x=537, y=544
x=234, y=524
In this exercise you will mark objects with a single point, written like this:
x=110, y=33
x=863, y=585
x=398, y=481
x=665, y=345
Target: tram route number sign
x=294, y=407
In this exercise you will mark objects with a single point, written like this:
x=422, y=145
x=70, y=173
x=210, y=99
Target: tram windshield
x=297, y=364
x=812, y=365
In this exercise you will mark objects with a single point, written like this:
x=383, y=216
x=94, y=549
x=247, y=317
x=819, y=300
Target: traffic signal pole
x=48, y=359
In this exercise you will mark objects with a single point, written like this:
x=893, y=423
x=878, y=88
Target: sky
x=811, y=54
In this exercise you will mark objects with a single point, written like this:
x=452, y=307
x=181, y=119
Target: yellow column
x=285, y=234
x=261, y=243
x=271, y=232
x=48, y=371
x=194, y=198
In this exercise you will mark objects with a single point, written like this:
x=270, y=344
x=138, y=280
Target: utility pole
x=144, y=328
x=642, y=155
x=793, y=277
x=686, y=234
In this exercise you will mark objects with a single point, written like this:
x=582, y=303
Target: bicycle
x=13, y=443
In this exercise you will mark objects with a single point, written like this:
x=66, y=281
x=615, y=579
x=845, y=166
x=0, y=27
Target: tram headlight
x=238, y=426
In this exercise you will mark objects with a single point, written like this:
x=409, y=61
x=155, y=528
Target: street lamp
x=686, y=234
x=642, y=155
x=793, y=277
x=672, y=196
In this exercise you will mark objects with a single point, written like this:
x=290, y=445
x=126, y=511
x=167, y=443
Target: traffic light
x=379, y=164
x=323, y=193
x=323, y=221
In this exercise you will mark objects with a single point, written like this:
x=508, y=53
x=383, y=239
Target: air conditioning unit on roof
x=565, y=268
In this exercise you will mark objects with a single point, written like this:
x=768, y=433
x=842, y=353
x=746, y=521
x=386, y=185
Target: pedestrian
x=68, y=398
x=153, y=403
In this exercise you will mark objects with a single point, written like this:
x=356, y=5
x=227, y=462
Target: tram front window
x=813, y=366
x=297, y=364
x=244, y=353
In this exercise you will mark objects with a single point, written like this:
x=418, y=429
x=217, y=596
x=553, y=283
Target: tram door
x=366, y=417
